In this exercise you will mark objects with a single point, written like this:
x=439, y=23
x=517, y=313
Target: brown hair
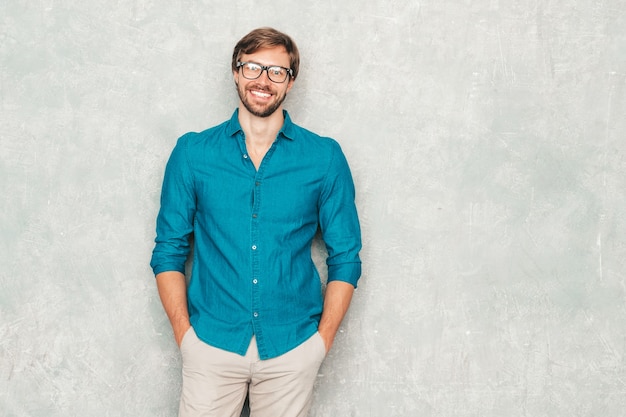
x=267, y=37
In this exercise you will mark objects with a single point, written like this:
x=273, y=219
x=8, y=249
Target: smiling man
x=253, y=192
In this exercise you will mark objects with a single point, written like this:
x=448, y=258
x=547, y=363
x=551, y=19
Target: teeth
x=259, y=94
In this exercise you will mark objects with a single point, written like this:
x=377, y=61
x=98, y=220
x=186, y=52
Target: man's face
x=262, y=97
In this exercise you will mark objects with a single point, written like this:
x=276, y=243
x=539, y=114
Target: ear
x=290, y=84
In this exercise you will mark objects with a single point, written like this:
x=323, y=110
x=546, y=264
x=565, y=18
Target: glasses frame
x=265, y=68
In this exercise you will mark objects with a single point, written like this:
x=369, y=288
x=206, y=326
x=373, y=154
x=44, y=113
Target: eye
x=276, y=70
x=253, y=67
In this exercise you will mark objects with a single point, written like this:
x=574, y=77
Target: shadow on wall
x=245, y=412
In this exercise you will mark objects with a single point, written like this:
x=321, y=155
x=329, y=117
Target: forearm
x=173, y=292
x=336, y=302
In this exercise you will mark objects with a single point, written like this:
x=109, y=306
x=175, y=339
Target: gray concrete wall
x=487, y=142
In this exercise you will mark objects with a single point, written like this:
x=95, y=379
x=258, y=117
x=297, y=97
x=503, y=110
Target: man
x=253, y=191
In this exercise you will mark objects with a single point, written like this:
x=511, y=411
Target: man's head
x=265, y=65
x=263, y=38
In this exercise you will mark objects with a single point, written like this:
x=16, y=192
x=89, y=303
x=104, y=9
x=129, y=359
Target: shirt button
x=255, y=314
x=254, y=281
x=245, y=156
x=253, y=247
x=254, y=216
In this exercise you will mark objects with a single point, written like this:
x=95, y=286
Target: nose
x=265, y=76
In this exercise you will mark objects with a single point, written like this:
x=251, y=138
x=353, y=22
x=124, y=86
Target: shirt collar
x=287, y=131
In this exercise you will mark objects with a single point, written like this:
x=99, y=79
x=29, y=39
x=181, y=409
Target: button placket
x=255, y=250
x=256, y=245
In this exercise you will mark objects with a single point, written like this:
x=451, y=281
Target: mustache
x=259, y=87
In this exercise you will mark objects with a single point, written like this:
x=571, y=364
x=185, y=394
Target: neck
x=260, y=130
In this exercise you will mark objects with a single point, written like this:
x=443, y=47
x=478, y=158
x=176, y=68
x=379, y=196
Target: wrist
x=328, y=337
x=180, y=331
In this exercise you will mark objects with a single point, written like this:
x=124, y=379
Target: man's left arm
x=336, y=303
x=342, y=234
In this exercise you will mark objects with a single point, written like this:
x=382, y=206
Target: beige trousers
x=215, y=382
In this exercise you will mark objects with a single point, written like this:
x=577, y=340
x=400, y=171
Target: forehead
x=268, y=56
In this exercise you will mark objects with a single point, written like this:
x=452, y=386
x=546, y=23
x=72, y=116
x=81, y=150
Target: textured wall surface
x=487, y=142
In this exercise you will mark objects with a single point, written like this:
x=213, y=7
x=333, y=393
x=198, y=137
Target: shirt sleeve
x=176, y=216
x=339, y=221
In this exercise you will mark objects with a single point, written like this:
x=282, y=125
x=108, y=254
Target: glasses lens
x=251, y=70
x=277, y=74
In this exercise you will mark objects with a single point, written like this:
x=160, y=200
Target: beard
x=260, y=110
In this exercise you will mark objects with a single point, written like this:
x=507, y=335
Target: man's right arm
x=174, y=226
x=173, y=292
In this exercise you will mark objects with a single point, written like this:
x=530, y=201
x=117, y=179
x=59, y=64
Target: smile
x=260, y=94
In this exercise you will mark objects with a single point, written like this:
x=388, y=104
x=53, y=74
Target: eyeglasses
x=252, y=71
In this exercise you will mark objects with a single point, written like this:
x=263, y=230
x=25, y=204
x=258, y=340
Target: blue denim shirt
x=252, y=270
